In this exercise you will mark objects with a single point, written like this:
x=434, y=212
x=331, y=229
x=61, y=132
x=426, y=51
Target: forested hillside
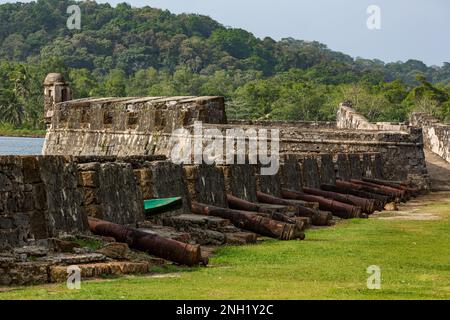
x=144, y=51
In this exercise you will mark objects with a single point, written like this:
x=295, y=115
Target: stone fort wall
x=144, y=126
x=436, y=135
x=44, y=197
x=124, y=126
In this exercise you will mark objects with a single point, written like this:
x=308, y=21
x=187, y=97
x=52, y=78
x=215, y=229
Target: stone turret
x=56, y=90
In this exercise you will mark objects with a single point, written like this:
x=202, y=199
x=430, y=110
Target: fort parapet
x=436, y=135
x=124, y=126
x=143, y=126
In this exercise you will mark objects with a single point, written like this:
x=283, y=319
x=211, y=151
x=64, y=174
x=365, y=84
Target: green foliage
x=430, y=99
x=7, y=129
x=145, y=51
x=236, y=42
x=20, y=94
x=92, y=244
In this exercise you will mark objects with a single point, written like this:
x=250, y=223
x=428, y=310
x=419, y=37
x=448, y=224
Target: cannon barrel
x=318, y=218
x=379, y=199
x=342, y=210
x=241, y=204
x=267, y=198
x=356, y=186
x=169, y=249
x=400, y=194
x=402, y=186
x=367, y=205
x=300, y=210
x=251, y=221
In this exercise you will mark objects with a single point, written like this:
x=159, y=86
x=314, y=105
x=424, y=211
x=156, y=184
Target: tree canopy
x=145, y=51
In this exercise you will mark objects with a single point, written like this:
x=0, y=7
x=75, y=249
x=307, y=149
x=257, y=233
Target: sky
x=410, y=29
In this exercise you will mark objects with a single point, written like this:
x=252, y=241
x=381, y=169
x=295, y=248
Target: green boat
x=157, y=206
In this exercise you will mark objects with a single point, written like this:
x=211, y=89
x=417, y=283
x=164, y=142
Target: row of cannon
x=284, y=218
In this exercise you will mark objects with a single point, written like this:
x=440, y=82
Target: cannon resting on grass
x=169, y=249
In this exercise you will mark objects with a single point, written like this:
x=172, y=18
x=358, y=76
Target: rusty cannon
x=251, y=221
x=397, y=185
x=350, y=185
x=318, y=218
x=379, y=199
x=169, y=249
x=367, y=205
x=342, y=210
x=241, y=204
x=396, y=193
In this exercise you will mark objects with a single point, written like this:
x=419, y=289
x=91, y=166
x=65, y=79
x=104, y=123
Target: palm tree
x=11, y=110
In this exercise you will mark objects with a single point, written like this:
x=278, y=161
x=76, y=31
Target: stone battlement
x=139, y=126
x=124, y=126
x=436, y=135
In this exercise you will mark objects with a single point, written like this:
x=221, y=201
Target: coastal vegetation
x=126, y=51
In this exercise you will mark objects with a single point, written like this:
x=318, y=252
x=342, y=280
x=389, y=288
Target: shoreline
x=20, y=134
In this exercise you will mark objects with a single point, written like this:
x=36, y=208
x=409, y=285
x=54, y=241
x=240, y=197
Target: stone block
x=356, y=166
x=119, y=195
x=93, y=270
x=206, y=184
x=31, y=172
x=240, y=238
x=165, y=232
x=32, y=251
x=343, y=167
x=6, y=223
x=310, y=172
x=291, y=173
x=89, y=179
x=60, y=245
x=6, y=185
x=327, y=170
x=115, y=250
x=94, y=210
x=270, y=184
x=90, y=196
x=240, y=181
x=90, y=166
x=71, y=259
x=24, y=273
x=63, y=211
x=28, y=202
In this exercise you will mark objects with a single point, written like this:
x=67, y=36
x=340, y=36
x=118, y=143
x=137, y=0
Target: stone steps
x=95, y=270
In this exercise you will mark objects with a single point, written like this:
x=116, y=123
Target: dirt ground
x=431, y=205
x=439, y=171
x=425, y=207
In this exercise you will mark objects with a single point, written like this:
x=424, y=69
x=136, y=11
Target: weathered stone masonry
x=104, y=156
x=436, y=135
x=124, y=126
x=143, y=126
x=39, y=199
x=400, y=146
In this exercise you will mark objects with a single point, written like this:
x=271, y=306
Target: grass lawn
x=414, y=257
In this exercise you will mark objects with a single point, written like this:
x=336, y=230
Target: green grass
x=414, y=257
x=10, y=131
x=91, y=244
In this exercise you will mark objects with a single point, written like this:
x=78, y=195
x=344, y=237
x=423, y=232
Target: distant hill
x=131, y=39
x=135, y=51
